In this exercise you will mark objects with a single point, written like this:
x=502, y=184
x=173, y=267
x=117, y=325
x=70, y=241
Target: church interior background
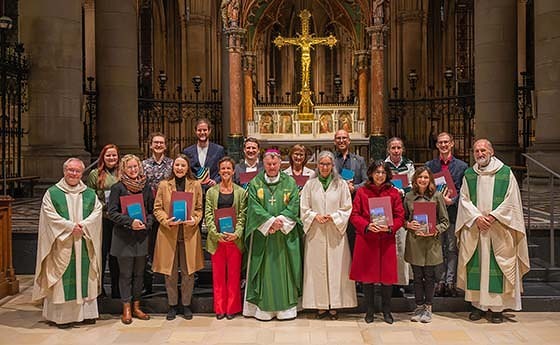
x=77, y=75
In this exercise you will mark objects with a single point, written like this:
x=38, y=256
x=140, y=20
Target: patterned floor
x=21, y=323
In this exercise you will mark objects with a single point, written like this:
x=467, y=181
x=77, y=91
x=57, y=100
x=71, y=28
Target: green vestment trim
x=501, y=184
x=58, y=198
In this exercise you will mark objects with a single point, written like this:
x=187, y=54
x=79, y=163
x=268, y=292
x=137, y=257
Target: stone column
x=234, y=47
x=116, y=54
x=547, y=83
x=495, y=45
x=378, y=122
x=249, y=59
x=52, y=34
x=362, y=64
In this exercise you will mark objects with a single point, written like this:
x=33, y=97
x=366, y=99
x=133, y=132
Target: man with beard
x=204, y=155
x=493, y=253
x=273, y=236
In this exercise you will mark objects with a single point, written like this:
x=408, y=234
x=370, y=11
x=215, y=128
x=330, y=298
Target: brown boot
x=126, y=317
x=137, y=312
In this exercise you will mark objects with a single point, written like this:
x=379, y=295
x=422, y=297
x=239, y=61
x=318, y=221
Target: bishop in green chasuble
x=493, y=253
x=273, y=237
x=67, y=273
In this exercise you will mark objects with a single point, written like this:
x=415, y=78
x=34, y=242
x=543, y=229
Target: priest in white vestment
x=67, y=273
x=325, y=207
x=493, y=253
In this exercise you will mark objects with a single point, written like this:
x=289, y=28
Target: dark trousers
x=131, y=277
x=113, y=263
x=369, y=293
x=148, y=273
x=424, y=284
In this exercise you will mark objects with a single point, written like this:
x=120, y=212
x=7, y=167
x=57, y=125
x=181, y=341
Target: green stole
x=58, y=198
x=501, y=184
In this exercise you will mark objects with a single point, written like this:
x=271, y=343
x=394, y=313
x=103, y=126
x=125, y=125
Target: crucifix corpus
x=305, y=41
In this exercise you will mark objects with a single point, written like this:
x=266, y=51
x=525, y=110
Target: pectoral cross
x=305, y=42
x=272, y=200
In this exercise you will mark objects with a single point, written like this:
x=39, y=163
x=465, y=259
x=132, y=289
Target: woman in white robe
x=325, y=208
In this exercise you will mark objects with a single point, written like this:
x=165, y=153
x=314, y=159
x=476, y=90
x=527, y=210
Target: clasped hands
x=417, y=228
x=277, y=225
x=485, y=222
x=378, y=228
x=172, y=222
x=322, y=219
x=77, y=230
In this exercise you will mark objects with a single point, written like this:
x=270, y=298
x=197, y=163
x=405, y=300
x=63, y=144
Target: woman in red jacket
x=375, y=254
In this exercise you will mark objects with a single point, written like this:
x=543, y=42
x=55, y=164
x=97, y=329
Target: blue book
x=397, y=183
x=347, y=174
x=135, y=211
x=180, y=210
x=226, y=224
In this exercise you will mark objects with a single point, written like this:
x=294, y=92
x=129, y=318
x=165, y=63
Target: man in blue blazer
x=204, y=155
x=447, y=271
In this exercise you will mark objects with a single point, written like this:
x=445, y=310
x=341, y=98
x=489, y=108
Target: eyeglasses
x=325, y=164
x=341, y=138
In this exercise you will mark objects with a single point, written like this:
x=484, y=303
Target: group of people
x=307, y=241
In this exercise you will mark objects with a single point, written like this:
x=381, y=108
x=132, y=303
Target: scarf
x=325, y=181
x=134, y=186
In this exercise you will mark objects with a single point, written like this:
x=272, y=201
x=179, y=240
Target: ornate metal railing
x=13, y=93
x=525, y=114
x=418, y=121
x=176, y=116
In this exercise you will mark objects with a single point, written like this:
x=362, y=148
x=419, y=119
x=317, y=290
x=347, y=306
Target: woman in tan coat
x=178, y=242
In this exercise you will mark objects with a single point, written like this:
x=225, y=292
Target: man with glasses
x=447, y=271
x=351, y=168
x=156, y=168
x=68, y=271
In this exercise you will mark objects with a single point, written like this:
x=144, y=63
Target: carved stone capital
x=378, y=34
x=235, y=39
x=249, y=61
x=362, y=59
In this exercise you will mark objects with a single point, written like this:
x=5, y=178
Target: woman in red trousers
x=375, y=253
x=226, y=247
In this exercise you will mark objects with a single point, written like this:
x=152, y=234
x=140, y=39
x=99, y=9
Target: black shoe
x=397, y=291
x=89, y=321
x=187, y=313
x=64, y=325
x=451, y=290
x=369, y=317
x=475, y=314
x=220, y=316
x=497, y=317
x=171, y=313
x=387, y=317
x=230, y=316
x=440, y=290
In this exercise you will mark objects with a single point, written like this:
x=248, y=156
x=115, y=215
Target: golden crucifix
x=305, y=42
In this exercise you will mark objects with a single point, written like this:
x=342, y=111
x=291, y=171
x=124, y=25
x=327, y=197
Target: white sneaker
x=426, y=316
x=417, y=313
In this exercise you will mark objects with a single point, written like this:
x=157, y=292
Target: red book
x=246, y=177
x=133, y=206
x=400, y=181
x=225, y=219
x=444, y=182
x=425, y=214
x=301, y=180
x=181, y=205
x=381, y=211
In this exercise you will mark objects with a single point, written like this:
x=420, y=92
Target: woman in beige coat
x=178, y=242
